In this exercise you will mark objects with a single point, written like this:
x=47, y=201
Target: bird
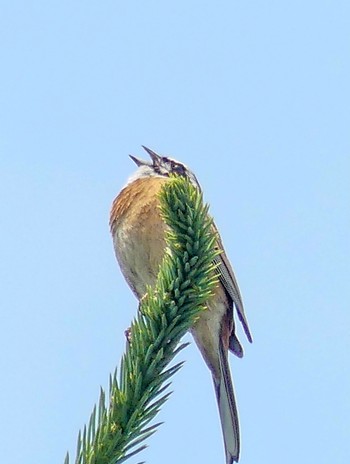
x=138, y=233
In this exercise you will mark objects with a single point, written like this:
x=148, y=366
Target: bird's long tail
x=227, y=409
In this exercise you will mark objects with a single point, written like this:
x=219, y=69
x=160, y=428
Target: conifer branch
x=186, y=279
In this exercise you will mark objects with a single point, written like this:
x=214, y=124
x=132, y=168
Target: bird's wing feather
x=228, y=280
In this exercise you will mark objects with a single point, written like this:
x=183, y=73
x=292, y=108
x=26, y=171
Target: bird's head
x=161, y=166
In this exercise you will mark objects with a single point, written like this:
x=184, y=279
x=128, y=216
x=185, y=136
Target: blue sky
x=254, y=97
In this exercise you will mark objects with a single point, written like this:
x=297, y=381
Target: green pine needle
x=185, y=282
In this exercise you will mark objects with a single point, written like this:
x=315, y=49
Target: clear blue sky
x=254, y=97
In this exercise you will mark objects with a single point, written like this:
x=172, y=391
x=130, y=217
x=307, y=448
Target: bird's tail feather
x=227, y=409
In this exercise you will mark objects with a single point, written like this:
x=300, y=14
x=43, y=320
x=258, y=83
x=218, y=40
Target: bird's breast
x=138, y=232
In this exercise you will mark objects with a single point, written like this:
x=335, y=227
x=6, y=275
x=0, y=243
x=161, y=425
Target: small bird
x=138, y=233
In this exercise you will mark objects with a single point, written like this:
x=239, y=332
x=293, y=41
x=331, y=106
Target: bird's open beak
x=140, y=162
x=155, y=157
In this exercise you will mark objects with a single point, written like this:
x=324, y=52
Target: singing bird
x=138, y=233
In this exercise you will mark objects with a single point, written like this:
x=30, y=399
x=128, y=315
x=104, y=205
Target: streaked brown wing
x=228, y=280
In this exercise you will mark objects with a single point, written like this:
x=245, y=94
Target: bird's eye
x=178, y=168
